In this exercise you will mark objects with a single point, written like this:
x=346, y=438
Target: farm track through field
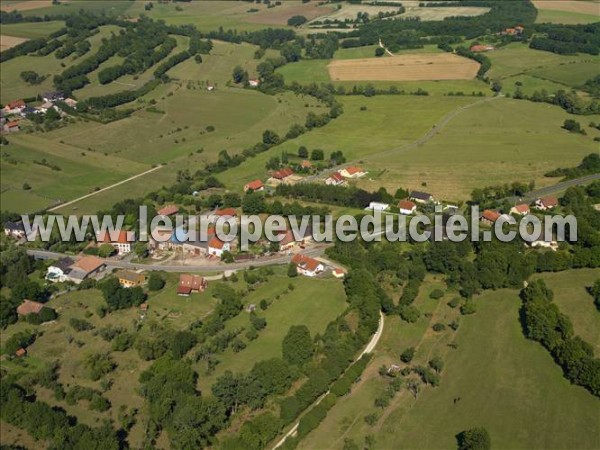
x=435, y=129
x=63, y=205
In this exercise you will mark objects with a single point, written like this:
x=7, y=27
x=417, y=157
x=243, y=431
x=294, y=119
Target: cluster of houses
x=10, y=114
x=516, y=31
x=349, y=173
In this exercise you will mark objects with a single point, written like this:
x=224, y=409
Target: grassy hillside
x=502, y=379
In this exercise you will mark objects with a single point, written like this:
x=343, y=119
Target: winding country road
x=554, y=189
x=368, y=349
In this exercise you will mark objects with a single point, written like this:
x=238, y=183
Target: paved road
x=368, y=349
x=554, y=189
x=62, y=205
x=180, y=267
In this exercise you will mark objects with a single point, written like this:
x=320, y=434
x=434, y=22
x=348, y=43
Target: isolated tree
x=317, y=155
x=296, y=21
x=292, y=270
x=379, y=51
x=302, y=152
x=436, y=364
x=407, y=355
x=155, y=282
x=239, y=74
x=297, y=345
x=474, y=439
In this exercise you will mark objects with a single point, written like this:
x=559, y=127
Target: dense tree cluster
x=567, y=39
x=589, y=165
x=119, y=297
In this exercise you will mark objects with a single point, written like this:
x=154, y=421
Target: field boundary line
x=83, y=197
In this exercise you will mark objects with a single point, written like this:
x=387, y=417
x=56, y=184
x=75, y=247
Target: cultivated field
x=7, y=42
x=492, y=370
x=414, y=10
x=414, y=67
x=583, y=7
x=23, y=5
x=280, y=14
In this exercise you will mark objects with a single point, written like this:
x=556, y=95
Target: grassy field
x=516, y=59
x=567, y=11
x=572, y=298
x=78, y=174
x=502, y=379
x=30, y=30
x=313, y=303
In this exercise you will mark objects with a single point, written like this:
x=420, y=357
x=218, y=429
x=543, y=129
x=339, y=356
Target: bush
x=155, y=282
x=468, y=308
x=436, y=294
x=454, y=302
x=437, y=327
x=407, y=355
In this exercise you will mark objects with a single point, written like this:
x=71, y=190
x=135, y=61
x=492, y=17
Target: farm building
x=335, y=179
x=339, y=273
x=256, y=185
x=407, y=207
x=376, y=206
x=58, y=272
x=14, y=229
x=420, y=197
x=352, y=172
x=29, y=307
x=489, y=216
x=482, y=48
x=86, y=267
x=307, y=266
x=546, y=203
x=128, y=278
x=14, y=107
x=122, y=242
x=189, y=283
x=520, y=210
x=282, y=174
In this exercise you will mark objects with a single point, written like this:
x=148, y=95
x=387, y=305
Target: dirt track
x=417, y=67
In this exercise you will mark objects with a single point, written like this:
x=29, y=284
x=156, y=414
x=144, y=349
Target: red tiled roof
x=21, y=352
x=215, y=242
x=306, y=164
x=481, y=48
x=524, y=208
x=406, y=204
x=12, y=124
x=336, y=176
x=168, y=210
x=288, y=238
x=354, y=169
x=490, y=215
x=123, y=237
x=226, y=212
x=305, y=262
x=29, y=307
x=254, y=185
x=16, y=104
x=89, y=263
x=283, y=173
x=189, y=282
x=549, y=201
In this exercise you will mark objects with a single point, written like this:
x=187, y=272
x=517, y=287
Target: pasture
x=413, y=67
x=517, y=59
x=31, y=31
x=493, y=368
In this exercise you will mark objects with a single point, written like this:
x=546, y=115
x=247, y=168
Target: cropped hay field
x=414, y=67
x=413, y=9
x=20, y=5
x=7, y=42
x=280, y=14
x=584, y=7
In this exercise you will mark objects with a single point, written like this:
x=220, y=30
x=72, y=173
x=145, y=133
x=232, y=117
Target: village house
x=189, y=283
x=11, y=127
x=14, y=229
x=551, y=244
x=489, y=217
x=420, y=197
x=226, y=213
x=128, y=278
x=407, y=207
x=15, y=107
x=29, y=307
x=217, y=247
x=58, y=272
x=520, y=210
x=482, y=48
x=255, y=185
x=253, y=83
x=282, y=174
x=352, y=172
x=44, y=107
x=123, y=242
x=20, y=352
x=86, y=267
x=339, y=273
x=71, y=103
x=160, y=239
x=52, y=97
x=335, y=179
x=546, y=203
x=376, y=206
x=307, y=266
x=516, y=31
x=168, y=210
x=306, y=164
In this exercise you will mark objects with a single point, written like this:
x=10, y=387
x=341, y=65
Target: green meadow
x=502, y=379
x=26, y=30
x=566, y=17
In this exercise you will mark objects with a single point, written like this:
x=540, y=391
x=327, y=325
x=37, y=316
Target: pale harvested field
x=7, y=42
x=414, y=10
x=14, y=5
x=416, y=67
x=348, y=11
x=584, y=7
x=280, y=14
